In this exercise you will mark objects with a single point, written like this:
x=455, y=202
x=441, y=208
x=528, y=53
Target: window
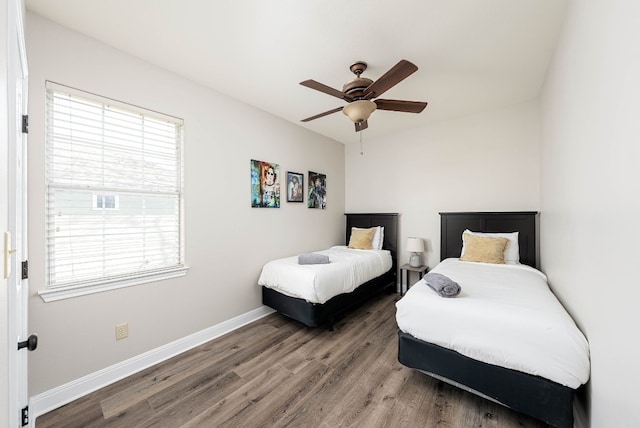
x=114, y=194
x=105, y=201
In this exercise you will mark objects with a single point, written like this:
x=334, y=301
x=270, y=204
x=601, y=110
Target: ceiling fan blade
x=322, y=114
x=326, y=89
x=361, y=125
x=395, y=75
x=399, y=105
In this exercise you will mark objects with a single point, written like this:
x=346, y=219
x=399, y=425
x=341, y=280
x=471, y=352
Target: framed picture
x=295, y=187
x=317, y=195
x=265, y=184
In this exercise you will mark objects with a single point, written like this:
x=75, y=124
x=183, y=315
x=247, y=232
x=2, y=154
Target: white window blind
x=98, y=152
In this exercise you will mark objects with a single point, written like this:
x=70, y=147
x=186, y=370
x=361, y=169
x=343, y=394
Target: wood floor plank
x=214, y=366
x=278, y=373
x=272, y=407
x=136, y=388
x=384, y=399
x=178, y=371
x=194, y=385
x=78, y=413
x=368, y=319
x=133, y=416
x=415, y=402
x=273, y=354
x=367, y=400
x=235, y=406
x=183, y=409
x=295, y=361
x=330, y=393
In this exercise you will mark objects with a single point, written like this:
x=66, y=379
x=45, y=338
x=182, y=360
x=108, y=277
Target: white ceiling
x=472, y=55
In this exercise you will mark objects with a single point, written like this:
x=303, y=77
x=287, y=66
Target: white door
x=18, y=287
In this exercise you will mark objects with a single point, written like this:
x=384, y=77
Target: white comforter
x=506, y=315
x=348, y=268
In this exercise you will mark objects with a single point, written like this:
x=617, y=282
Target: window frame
x=132, y=278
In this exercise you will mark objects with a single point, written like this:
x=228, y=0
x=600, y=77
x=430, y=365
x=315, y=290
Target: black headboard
x=388, y=220
x=453, y=224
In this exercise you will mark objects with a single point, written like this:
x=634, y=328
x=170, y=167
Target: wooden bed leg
x=331, y=324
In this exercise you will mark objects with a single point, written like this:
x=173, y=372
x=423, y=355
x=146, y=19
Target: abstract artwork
x=317, y=190
x=265, y=184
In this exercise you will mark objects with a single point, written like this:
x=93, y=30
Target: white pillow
x=511, y=253
x=380, y=232
x=378, y=236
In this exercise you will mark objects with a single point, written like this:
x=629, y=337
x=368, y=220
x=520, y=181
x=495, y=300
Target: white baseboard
x=63, y=394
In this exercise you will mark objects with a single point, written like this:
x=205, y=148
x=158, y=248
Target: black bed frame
x=532, y=395
x=315, y=314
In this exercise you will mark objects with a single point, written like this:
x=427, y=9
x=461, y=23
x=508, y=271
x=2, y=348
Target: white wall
x=484, y=162
x=227, y=241
x=590, y=195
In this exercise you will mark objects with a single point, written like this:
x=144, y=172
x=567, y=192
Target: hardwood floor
x=276, y=373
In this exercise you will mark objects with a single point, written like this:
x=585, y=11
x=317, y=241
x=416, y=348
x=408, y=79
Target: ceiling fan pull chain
x=361, y=150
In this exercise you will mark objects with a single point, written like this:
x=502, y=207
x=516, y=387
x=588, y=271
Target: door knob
x=31, y=343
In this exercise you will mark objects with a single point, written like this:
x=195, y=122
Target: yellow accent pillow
x=483, y=249
x=361, y=238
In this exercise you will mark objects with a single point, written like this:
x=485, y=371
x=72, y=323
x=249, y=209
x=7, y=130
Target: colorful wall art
x=295, y=187
x=317, y=190
x=265, y=184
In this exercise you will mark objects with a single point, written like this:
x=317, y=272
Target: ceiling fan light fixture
x=359, y=111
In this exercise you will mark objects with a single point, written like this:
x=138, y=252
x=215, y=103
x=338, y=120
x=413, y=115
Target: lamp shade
x=359, y=111
x=415, y=245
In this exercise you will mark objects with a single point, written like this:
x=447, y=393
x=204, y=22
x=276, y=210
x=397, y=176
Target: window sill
x=53, y=294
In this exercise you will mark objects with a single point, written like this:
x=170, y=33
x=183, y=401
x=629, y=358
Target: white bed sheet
x=505, y=315
x=348, y=268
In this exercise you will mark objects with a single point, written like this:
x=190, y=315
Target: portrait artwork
x=317, y=194
x=295, y=187
x=265, y=184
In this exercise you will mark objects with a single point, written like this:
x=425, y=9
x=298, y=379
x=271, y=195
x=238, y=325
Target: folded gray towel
x=312, y=259
x=443, y=285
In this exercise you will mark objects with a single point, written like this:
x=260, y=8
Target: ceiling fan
x=360, y=91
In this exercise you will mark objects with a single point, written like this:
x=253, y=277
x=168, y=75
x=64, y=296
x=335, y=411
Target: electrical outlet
x=122, y=330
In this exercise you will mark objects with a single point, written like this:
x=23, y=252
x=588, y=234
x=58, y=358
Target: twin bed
x=318, y=294
x=505, y=337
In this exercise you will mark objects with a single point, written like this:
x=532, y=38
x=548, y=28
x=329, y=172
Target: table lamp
x=415, y=246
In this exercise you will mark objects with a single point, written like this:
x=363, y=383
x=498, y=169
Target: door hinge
x=24, y=416
x=25, y=123
x=25, y=269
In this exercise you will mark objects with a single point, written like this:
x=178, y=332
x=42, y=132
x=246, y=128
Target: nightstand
x=404, y=275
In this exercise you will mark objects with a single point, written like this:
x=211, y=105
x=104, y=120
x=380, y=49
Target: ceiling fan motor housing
x=356, y=87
